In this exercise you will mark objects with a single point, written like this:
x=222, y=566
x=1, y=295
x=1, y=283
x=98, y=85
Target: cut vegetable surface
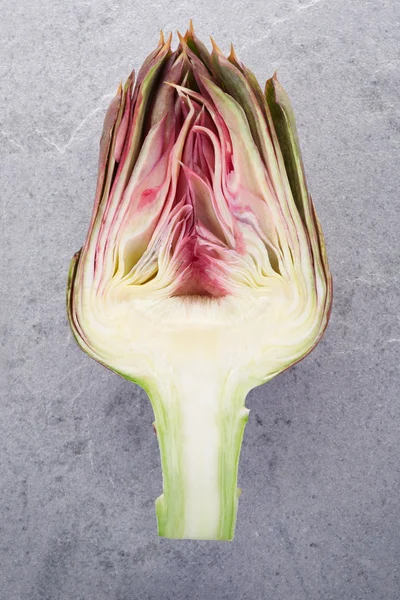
x=204, y=272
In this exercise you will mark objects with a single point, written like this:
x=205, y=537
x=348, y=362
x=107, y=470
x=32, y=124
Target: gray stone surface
x=319, y=518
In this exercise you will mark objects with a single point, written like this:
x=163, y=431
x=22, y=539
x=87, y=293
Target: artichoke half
x=204, y=271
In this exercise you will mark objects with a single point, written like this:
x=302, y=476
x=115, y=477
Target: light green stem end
x=200, y=431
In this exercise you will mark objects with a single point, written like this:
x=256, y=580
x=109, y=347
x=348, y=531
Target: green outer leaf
x=286, y=132
x=282, y=115
x=197, y=46
x=285, y=127
x=235, y=84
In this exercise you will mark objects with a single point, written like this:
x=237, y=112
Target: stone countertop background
x=319, y=518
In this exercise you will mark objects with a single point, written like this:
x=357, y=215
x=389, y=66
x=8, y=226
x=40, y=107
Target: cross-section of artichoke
x=204, y=271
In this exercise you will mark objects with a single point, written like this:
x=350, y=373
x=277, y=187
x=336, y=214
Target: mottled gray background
x=319, y=517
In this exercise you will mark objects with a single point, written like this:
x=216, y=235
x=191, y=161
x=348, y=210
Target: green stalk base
x=200, y=430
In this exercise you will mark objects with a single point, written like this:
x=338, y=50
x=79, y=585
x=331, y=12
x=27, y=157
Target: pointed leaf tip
x=233, y=59
x=232, y=53
x=216, y=48
x=167, y=42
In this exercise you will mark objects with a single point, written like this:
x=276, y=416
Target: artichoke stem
x=200, y=430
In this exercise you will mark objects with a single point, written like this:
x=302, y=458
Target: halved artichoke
x=204, y=272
